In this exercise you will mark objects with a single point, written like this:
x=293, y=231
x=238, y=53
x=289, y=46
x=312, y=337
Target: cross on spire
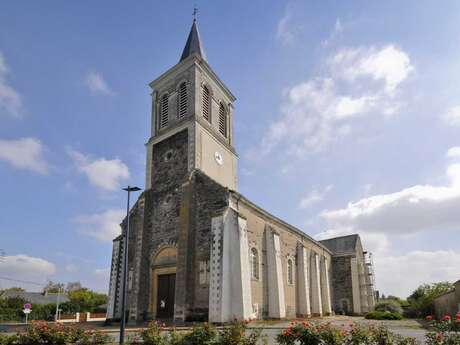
x=195, y=11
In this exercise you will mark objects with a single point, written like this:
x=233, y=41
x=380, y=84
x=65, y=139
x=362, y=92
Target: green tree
x=14, y=289
x=73, y=286
x=52, y=287
x=421, y=301
x=390, y=305
x=11, y=309
x=84, y=300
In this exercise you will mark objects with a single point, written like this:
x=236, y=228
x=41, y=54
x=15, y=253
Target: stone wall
x=448, y=303
x=202, y=199
x=342, y=296
x=115, y=280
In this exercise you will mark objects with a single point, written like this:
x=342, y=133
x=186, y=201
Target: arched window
x=206, y=98
x=222, y=120
x=182, y=101
x=254, y=258
x=164, y=110
x=290, y=272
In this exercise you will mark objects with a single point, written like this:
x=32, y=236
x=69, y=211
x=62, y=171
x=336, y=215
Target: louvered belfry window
x=222, y=120
x=164, y=111
x=206, y=104
x=182, y=101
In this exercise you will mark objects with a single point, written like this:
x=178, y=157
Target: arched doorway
x=164, y=263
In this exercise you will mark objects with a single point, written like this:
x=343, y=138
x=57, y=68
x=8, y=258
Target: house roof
x=342, y=244
x=36, y=297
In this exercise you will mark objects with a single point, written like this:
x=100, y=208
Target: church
x=198, y=250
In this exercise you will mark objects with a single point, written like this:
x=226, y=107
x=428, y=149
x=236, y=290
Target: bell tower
x=189, y=100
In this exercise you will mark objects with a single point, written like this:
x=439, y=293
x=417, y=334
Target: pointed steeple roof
x=193, y=44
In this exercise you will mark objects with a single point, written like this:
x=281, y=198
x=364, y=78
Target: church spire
x=193, y=44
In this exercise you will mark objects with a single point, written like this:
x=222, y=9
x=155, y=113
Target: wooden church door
x=165, y=296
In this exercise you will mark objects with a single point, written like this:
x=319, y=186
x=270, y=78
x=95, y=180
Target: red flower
x=439, y=336
x=446, y=318
x=429, y=317
x=457, y=317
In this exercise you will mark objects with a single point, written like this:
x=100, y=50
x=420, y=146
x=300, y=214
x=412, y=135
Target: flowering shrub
x=235, y=334
x=445, y=332
x=154, y=334
x=325, y=334
x=54, y=334
x=383, y=315
x=205, y=334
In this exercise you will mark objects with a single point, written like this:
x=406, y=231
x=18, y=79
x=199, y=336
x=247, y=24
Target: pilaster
x=276, y=301
x=230, y=289
x=317, y=304
x=325, y=288
x=303, y=285
x=183, y=259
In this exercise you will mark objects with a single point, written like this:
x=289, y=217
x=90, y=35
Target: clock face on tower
x=218, y=157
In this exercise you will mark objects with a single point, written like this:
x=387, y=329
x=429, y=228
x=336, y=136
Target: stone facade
x=199, y=250
x=352, y=276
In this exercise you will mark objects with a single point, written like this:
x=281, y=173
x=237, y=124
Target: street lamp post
x=129, y=189
x=56, y=316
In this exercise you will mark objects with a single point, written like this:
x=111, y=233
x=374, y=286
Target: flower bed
x=236, y=333
x=206, y=334
x=54, y=334
x=306, y=333
x=445, y=331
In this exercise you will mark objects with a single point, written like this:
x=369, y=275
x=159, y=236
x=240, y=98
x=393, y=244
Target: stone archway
x=163, y=277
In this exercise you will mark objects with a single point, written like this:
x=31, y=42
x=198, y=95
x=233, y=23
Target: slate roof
x=193, y=44
x=36, y=297
x=342, y=244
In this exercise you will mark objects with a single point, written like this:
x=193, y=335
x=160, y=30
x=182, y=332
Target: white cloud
x=314, y=197
x=453, y=152
x=452, y=117
x=97, y=84
x=401, y=275
x=284, y=30
x=411, y=210
x=103, y=226
x=347, y=106
x=71, y=268
x=24, y=153
x=336, y=31
x=101, y=172
x=360, y=82
x=27, y=268
x=10, y=99
x=388, y=64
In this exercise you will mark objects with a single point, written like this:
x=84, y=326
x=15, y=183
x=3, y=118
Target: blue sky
x=347, y=120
